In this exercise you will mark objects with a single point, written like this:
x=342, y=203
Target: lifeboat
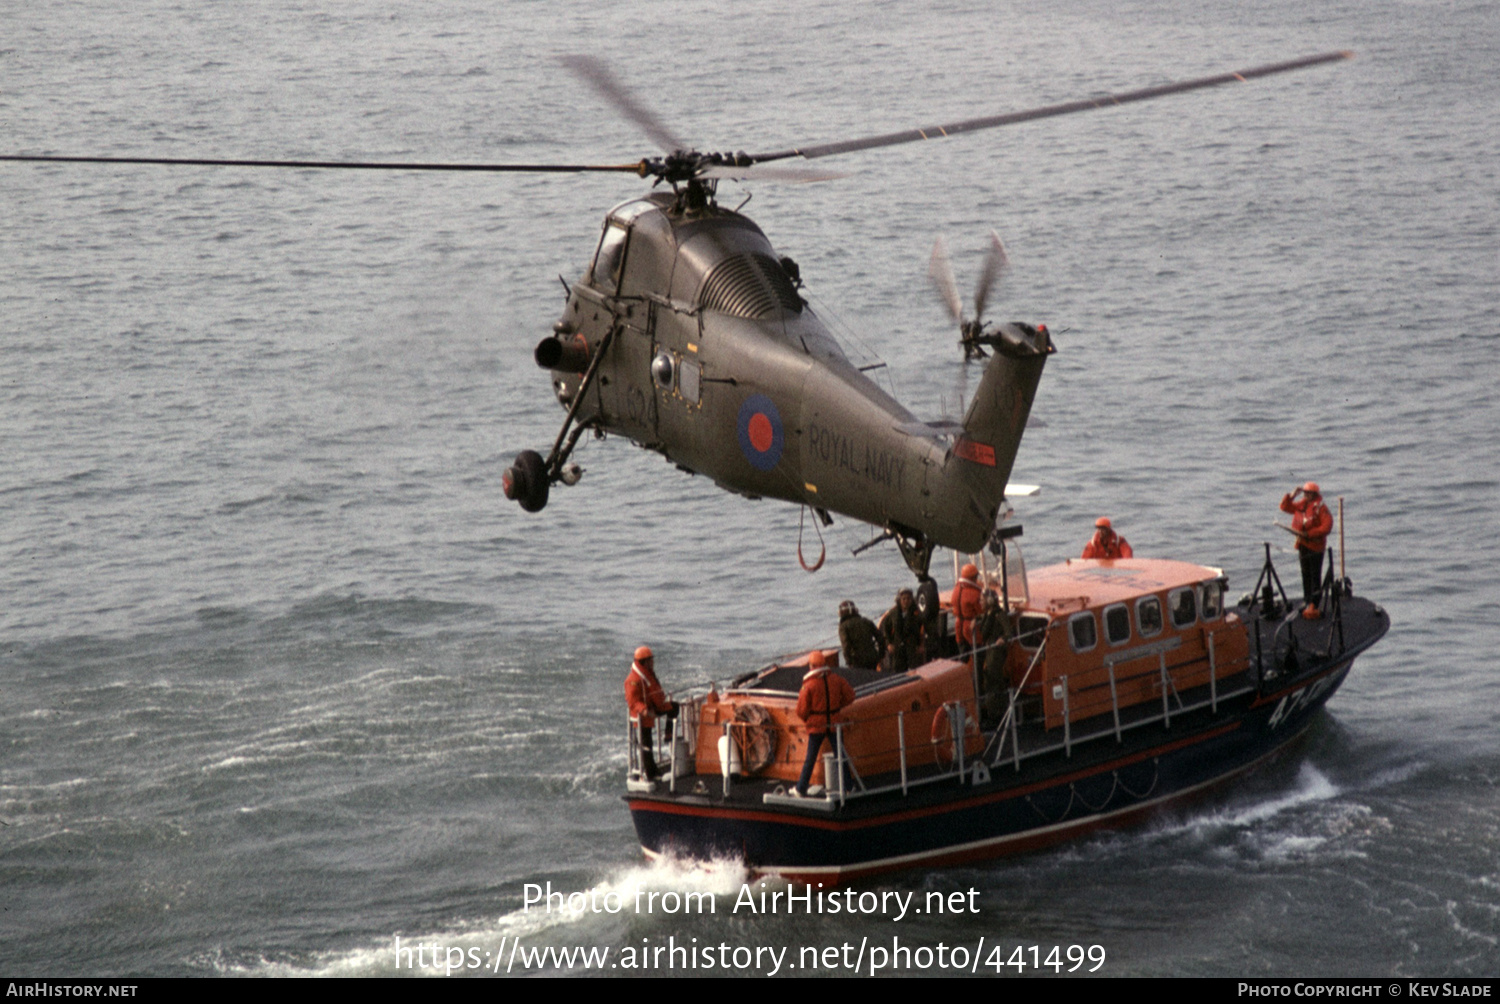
x=1127, y=685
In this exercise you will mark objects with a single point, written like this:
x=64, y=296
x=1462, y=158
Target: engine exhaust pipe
x=565, y=354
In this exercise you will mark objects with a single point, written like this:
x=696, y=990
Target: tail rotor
x=940, y=271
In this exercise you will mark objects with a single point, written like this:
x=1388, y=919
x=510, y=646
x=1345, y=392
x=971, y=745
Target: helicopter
x=688, y=334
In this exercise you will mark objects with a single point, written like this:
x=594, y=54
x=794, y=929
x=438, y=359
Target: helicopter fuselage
x=688, y=335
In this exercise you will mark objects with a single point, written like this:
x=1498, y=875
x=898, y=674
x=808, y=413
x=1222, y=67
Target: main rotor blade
x=1050, y=111
x=940, y=270
x=758, y=172
x=996, y=261
x=637, y=168
x=598, y=76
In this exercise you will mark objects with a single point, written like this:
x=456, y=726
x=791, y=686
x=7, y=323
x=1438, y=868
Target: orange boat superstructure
x=1134, y=631
x=1127, y=632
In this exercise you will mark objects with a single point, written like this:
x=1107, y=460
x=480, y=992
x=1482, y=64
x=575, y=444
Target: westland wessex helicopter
x=688, y=335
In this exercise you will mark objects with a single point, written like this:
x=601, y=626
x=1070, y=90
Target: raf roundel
x=761, y=437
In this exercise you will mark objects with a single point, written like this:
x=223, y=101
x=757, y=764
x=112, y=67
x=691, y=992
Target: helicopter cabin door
x=626, y=391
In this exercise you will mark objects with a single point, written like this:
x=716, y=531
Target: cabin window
x=1148, y=616
x=688, y=381
x=1083, y=632
x=610, y=257
x=1033, y=629
x=1213, y=599
x=1184, y=604
x=1117, y=624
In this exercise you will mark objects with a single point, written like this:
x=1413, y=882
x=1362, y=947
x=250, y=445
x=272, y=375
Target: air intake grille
x=749, y=285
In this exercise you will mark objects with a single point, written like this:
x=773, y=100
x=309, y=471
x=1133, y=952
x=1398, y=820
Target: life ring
x=944, y=748
x=754, y=734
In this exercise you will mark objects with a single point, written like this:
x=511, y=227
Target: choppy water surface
x=286, y=677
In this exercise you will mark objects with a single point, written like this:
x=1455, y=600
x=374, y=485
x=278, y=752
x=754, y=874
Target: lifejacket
x=967, y=605
x=824, y=693
x=1311, y=521
x=644, y=696
x=1108, y=544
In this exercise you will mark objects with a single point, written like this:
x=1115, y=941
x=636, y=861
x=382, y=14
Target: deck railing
x=955, y=758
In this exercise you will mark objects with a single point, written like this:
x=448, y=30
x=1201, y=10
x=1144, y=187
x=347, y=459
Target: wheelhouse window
x=1213, y=598
x=1083, y=632
x=1117, y=624
x=1184, y=604
x=610, y=257
x=1033, y=628
x=1148, y=616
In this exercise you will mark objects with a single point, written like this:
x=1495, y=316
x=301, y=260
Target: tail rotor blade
x=996, y=261
x=940, y=271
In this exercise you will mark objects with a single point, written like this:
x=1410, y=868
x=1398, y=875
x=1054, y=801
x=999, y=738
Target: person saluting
x=1311, y=522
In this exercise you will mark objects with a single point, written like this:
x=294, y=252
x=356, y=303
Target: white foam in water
x=488, y=940
x=1394, y=775
x=1312, y=786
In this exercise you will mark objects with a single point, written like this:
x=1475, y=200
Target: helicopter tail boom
x=996, y=418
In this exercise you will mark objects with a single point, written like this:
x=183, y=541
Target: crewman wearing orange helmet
x=823, y=695
x=646, y=699
x=966, y=602
x=1105, y=543
x=1311, y=522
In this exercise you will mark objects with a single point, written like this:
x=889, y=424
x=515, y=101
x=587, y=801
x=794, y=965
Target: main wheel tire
x=526, y=482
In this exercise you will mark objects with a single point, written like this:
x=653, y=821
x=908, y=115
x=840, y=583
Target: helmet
x=968, y=572
x=1102, y=523
x=643, y=654
x=848, y=609
x=1311, y=488
x=903, y=591
x=817, y=660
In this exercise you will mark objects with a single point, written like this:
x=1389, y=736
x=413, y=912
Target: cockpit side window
x=610, y=258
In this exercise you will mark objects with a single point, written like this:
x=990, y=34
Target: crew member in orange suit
x=824, y=694
x=1105, y=543
x=646, y=699
x=1311, y=522
x=966, y=602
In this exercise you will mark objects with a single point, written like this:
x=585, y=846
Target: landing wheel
x=526, y=481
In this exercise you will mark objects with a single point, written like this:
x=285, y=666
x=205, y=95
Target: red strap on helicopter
x=822, y=547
